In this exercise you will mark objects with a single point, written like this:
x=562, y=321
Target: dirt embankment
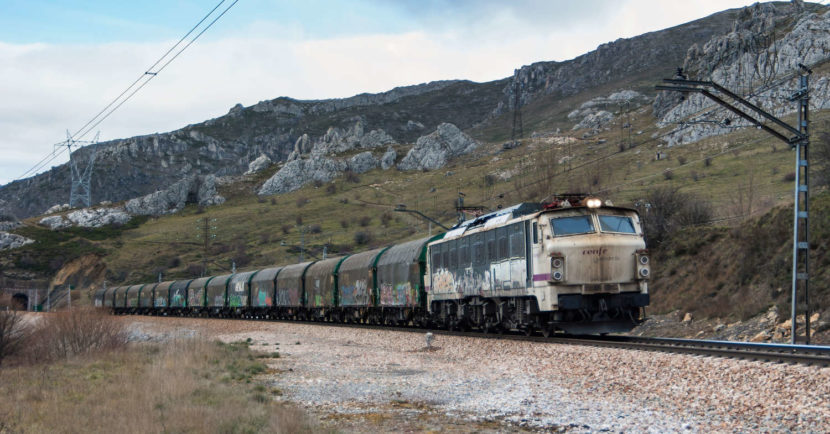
x=87, y=273
x=728, y=277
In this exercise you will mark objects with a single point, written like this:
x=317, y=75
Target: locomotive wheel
x=529, y=330
x=547, y=331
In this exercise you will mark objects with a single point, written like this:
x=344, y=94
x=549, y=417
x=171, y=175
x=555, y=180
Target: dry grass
x=180, y=386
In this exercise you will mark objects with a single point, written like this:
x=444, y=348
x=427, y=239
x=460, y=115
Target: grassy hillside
x=742, y=176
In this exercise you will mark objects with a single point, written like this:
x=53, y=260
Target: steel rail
x=813, y=355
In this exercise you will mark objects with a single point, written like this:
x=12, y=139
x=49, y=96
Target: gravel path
x=353, y=378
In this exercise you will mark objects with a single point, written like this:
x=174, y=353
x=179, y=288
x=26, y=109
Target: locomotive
x=574, y=265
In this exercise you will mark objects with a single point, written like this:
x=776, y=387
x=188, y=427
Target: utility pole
x=801, y=243
x=80, y=190
x=302, y=244
x=799, y=141
x=206, y=234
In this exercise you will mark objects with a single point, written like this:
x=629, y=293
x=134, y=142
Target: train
x=575, y=265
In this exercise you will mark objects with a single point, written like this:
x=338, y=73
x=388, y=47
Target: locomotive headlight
x=557, y=267
x=642, y=264
x=593, y=202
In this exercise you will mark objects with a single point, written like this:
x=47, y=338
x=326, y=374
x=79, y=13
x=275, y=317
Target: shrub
x=790, y=177
x=385, y=218
x=352, y=177
x=273, y=201
x=301, y=201
x=77, y=332
x=194, y=270
x=671, y=210
x=286, y=229
x=344, y=223
x=299, y=220
x=315, y=229
x=668, y=174
x=13, y=332
x=682, y=160
x=331, y=189
x=490, y=180
x=364, y=221
x=362, y=237
x=317, y=183
x=174, y=262
x=707, y=162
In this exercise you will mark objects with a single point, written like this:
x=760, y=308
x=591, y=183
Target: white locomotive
x=575, y=265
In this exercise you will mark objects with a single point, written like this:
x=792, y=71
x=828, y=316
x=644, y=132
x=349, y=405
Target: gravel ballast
x=346, y=374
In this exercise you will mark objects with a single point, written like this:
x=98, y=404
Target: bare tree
x=12, y=332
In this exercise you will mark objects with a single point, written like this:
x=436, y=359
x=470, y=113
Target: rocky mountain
x=163, y=171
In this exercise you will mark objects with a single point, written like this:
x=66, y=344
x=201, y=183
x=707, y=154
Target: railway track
x=776, y=353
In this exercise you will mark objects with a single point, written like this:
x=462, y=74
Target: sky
x=63, y=61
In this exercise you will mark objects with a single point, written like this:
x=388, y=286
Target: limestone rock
x=687, y=317
x=55, y=222
x=388, y=159
x=207, y=194
x=6, y=226
x=57, y=208
x=259, y=164
x=595, y=121
x=97, y=217
x=299, y=172
x=337, y=140
x=363, y=162
x=434, y=150
x=167, y=201
x=13, y=241
x=746, y=55
x=762, y=336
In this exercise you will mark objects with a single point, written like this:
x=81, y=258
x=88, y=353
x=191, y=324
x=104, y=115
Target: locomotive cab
x=593, y=266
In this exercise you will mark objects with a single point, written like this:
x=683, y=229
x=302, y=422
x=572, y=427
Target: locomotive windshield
x=572, y=225
x=613, y=223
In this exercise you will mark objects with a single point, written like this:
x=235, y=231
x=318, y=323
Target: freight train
x=574, y=265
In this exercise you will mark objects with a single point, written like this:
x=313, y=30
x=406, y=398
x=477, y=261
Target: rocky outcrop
x=6, y=226
x=13, y=241
x=750, y=57
x=595, y=115
x=55, y=222
x=191, y=189
x=299, y=172
x=337, y=140
x=87, y=218
x=258, y=165
x=609, y=62
x=97, y=217
x=363, y=162
x=433, y=151
x=595, y=121
x=388, y=159
x=57, y=208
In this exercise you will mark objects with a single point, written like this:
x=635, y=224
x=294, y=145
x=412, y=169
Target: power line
x=146, y=76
